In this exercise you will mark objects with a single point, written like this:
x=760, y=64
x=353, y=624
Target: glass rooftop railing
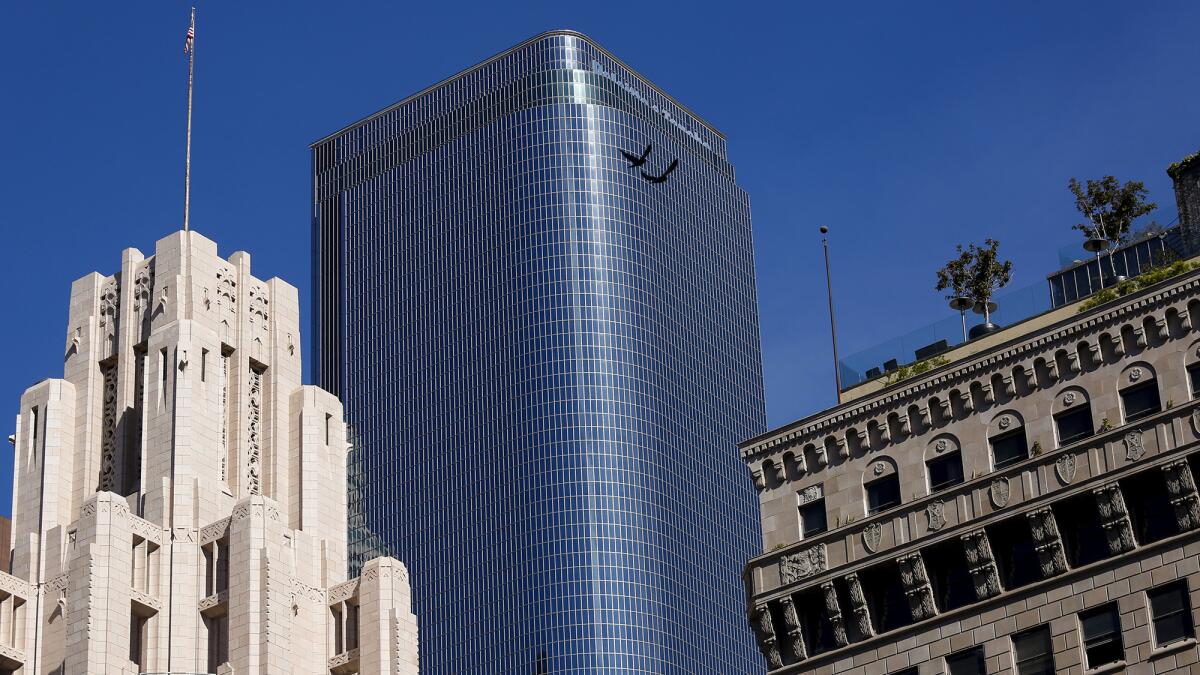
x=1145, y=249
x=929, y=340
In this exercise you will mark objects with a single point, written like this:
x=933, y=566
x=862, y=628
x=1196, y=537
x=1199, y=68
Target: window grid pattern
x=546, y=363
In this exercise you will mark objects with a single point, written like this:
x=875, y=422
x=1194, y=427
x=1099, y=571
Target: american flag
x=191, y=37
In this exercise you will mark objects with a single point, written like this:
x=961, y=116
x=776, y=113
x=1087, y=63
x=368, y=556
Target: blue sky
x=904, y=127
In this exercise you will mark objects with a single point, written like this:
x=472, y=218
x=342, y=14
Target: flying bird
x=634, y=160
x=662, y=178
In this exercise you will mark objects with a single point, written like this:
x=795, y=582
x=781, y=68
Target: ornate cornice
x=1022, y=350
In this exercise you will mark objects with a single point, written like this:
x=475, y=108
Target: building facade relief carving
x=1181, y=490
x=916, y=586
x=1047, y=542
x=1114, y=518
x=981, y=563
x=804, y=564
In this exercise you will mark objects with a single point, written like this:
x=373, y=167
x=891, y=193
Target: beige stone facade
x=1029, y=507
x=179, y=500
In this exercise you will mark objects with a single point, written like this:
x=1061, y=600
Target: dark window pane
x=1074, y=424
x=1149, y=504
x=1033, y=652
x=812, y=518
x=949, y=575
x=1009, y=448
x=1016, y=558
x=969, y=662
x=1172, y=613
x=908, y=671
x=1102, y=636
x=883, y=494
x=1140, y=401
x=1083, y=538
x=1194, y=378
x=945, y=471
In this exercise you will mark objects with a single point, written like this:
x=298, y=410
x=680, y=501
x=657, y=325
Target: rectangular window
x=908, y=671
x=883, y=494
x=969, y=662
x=812, y=518
x=137, y=639
x=1074, y=424
x=1102, y=636
x=1140, y=401
x=945, y=471
x=1009, y=448
x=1033, y=653
x=1194, y=378
x=1172, y=613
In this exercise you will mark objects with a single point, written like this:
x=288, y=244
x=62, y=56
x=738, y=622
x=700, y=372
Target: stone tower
x=1185, y=174
x=179, y=501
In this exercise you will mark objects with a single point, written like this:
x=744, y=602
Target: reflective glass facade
x=547, y=361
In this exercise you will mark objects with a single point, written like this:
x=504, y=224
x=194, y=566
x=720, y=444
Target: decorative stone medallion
x=802, y=565
x=810, y=494
x=937, y=515
x=1005, y=421
x=940, y=446
x=1196, y=420
x=1133, y=446
x=1135, y=374
x=880, y=467
x=1069, y=398
x=871, y=535
x=999, y=491
x=1065, y=467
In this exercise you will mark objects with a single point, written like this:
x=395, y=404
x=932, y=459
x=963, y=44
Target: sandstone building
x=1029, y=507
x=180, y=498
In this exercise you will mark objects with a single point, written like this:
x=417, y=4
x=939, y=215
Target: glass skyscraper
x=547, y=356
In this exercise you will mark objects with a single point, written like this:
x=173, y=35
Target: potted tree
x=955, y=276
x=973, y=278
x=1110, y=209
x=988, y=274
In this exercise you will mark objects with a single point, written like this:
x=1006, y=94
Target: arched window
x=1193, y=368
x=1139, y=392
x=1006, y=435
x=882, y=485
x=943, y=463
x=1073, y=416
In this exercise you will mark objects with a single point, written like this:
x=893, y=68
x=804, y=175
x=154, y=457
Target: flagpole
x=187, y=166
x=837, y=374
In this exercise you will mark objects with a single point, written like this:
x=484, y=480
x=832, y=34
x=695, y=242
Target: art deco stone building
x=180, y=498
x=1029, y=507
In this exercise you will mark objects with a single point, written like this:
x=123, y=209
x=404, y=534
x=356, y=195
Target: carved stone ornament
x=810, y=494
x=937, y=515
x=1069, y=398
x=999, y=491
x=1133, y=446
x=1005, y=422
x=1196, y=420
x=940, y=446
x=802, y=565
x=1065, y=467
x=1135, y=374
x=871, y=535
x=254, y=434
x=879, y=468
x=108, y=433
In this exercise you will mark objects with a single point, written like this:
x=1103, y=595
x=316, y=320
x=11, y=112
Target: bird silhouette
x=634, y=160
x=662, y=177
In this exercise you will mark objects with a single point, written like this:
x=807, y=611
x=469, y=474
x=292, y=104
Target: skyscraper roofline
x=507, y=52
